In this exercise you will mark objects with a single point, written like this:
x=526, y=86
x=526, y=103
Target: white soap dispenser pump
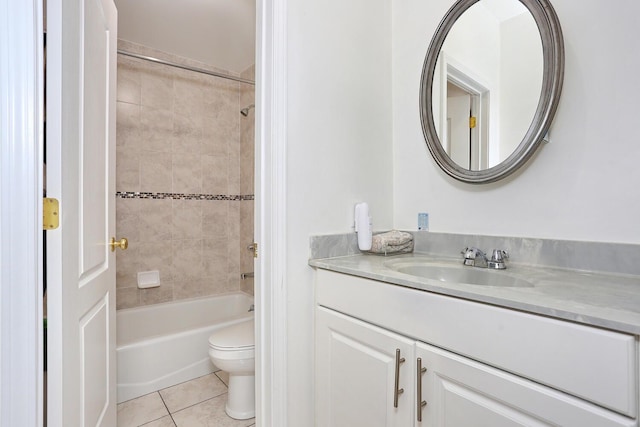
x=363, y=226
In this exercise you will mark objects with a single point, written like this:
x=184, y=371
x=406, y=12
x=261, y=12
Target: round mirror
x=490, y=86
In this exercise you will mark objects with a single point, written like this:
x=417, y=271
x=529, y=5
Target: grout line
x=163, y=402
x=186, y=381
x=190, y=406
x=155, y=419
x=220, y=378
x=173, y=421
x=168, y=411
x=198, y=403
x=138, y=397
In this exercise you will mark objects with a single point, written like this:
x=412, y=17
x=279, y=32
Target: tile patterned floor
x=195, y=403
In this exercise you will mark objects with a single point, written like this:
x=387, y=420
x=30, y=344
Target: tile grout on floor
x=165, y=405
x=168, y=396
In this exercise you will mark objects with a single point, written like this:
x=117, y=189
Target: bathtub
x=165, y=344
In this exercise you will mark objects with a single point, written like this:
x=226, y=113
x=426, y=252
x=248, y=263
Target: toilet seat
x=237, y=337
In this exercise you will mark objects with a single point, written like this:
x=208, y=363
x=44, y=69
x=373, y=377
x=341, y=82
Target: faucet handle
x=497, y=259
x=474, y=257
x=499, y=255
x=470, y=252
x=469, y=256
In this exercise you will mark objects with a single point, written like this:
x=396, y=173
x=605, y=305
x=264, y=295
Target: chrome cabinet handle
x=421, y=403
x=397, y=390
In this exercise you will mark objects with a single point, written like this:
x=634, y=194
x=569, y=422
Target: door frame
x=21, y=182
x=455, y=72
x=480, y=106
x=270, y=213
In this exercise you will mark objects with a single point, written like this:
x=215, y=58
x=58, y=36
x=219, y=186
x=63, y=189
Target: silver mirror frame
x=553, y=74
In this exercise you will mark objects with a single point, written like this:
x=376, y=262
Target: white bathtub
x=165, y=344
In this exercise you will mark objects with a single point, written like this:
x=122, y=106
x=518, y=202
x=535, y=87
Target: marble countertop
x=610, y=301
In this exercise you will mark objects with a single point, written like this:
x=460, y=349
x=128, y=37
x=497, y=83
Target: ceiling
x=220, y=33
x=504, y=9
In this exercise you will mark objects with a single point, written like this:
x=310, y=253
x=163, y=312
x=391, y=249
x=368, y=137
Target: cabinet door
x=462, y=392
x=356, y=373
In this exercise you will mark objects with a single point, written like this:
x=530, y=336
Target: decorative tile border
x=181, y=196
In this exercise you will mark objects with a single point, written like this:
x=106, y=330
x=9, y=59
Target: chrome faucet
x=474, y=257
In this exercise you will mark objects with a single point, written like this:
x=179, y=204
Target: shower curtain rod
x=186, y=67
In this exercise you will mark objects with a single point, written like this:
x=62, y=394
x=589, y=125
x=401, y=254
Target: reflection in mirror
x=487, y=83
x=495, y=102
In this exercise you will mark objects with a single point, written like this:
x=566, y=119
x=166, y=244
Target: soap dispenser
x=363, y=226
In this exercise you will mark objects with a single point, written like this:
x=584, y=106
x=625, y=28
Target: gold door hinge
x=255, y=250
x=50, y=213
x=472, y=122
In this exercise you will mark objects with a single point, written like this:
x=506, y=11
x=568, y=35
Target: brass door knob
x=122, y=244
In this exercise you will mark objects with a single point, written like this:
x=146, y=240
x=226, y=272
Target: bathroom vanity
x=399, y=349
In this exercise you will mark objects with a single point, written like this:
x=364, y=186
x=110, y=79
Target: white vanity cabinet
x=477, y=372
x=462, y=392
x=356, y=371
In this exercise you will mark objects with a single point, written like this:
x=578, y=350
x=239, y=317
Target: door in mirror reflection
x=491, y=61
x=459, y=130
x=465, y=139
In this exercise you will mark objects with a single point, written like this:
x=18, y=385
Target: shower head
x=245, y=111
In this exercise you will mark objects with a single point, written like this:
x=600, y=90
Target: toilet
x=232, y=349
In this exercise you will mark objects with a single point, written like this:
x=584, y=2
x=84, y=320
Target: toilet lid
x=238, y=336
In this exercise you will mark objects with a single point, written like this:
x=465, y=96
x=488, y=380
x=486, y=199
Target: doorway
x=23, y=29
x=464, y=116
x=467, y=119
x=169, y=211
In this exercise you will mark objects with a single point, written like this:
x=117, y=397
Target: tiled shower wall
x=184, y=177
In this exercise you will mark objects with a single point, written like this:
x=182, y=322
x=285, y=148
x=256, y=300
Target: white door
x=357, y=365
x=458, y=111
x=461, y=392
x=81, y=174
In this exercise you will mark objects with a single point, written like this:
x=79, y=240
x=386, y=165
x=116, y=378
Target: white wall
x=581, y=186
x=354, y=134
x=339, y=150
x=521, y=79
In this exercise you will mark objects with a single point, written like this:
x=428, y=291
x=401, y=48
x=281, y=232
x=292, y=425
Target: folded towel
x=392, y=242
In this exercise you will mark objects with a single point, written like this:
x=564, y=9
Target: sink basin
x=457, y=273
